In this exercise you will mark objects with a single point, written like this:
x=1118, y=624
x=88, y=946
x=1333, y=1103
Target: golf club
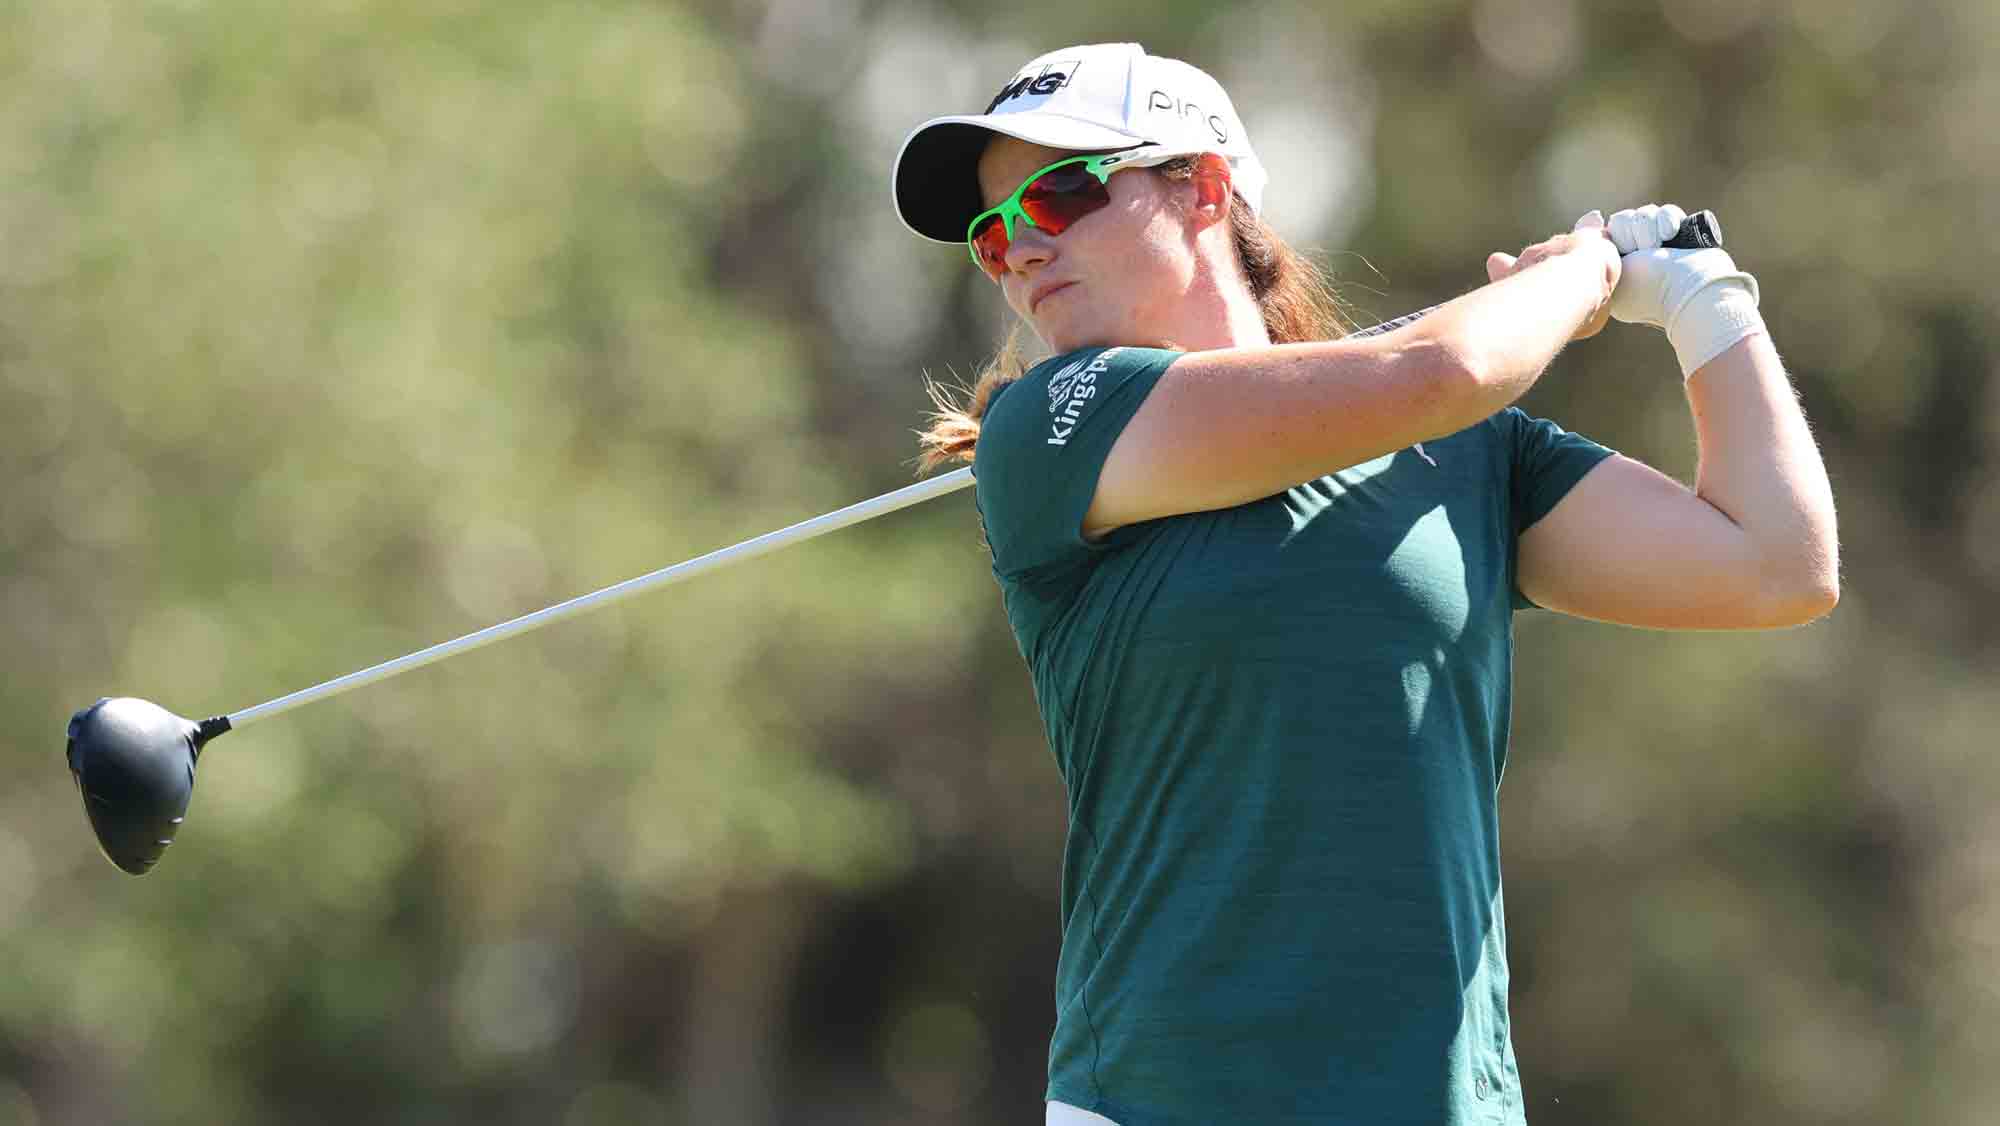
x=134, y=761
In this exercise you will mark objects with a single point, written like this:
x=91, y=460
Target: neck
x=1216, y=311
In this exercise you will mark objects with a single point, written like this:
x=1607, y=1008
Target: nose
x=1031, y=246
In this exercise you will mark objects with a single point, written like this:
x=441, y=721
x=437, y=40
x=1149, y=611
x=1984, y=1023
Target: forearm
x=1493, y=343
x=1332, y=403
x=1760, y=467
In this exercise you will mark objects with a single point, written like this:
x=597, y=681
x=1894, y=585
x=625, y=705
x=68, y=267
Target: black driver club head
x=133, y=762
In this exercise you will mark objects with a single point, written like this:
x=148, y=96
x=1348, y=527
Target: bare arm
x=1752, y=546
x=1226, y=427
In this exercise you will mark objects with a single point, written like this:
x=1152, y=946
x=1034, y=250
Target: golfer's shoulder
x=1008, y=419
x=1049, y=403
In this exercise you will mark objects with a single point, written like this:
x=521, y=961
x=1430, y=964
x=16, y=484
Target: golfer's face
x=1107, y=279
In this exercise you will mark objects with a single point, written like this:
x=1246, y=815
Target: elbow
x=1815, y=589
x=1800, y=600
x=1825, y=594
x=1802, y=584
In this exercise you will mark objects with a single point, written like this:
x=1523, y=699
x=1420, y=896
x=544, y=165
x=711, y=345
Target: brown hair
x=1297, y=299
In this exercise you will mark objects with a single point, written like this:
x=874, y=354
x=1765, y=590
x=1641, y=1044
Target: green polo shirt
x=1282, y=728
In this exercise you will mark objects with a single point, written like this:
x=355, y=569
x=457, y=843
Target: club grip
x=1699, y=231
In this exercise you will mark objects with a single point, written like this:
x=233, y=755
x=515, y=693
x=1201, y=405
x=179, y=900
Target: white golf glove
x=1700, y=297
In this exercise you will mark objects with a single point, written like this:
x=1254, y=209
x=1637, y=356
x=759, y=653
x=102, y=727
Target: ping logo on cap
x=1052, y=77
x=1174, y=105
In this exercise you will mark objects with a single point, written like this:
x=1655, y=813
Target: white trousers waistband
x=1063, y=1114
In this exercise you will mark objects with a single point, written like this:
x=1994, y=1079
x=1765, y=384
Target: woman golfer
x=1263, y=578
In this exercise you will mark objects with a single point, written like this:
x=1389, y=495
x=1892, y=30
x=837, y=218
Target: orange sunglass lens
x=1057, y=199
x=989, y=243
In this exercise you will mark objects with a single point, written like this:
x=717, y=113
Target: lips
x=1041, y=292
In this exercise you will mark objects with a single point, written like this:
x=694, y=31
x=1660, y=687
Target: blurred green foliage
x=330, y=331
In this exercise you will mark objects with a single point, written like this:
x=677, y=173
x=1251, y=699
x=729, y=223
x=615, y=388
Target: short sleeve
x=1042, y=445
x=1546, y=463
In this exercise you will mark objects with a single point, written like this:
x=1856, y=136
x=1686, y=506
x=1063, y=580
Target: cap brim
x=937, y=172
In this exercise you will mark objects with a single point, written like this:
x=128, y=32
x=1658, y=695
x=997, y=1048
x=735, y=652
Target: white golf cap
x=1092, y=98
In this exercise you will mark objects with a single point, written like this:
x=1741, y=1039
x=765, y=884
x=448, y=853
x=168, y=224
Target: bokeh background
x=328, y=331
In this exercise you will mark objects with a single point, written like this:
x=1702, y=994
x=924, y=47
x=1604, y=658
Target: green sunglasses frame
x=1100, y=165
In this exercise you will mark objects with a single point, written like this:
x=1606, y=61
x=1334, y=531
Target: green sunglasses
x=1050, y=200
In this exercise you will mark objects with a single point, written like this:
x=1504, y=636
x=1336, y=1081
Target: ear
x=1211, y=188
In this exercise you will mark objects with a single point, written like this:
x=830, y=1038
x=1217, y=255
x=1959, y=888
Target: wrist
x=1574, y=286
x=1713, y=319
x=1600, y=265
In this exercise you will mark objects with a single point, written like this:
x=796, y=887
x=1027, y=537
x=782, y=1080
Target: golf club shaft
x=769, y=541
